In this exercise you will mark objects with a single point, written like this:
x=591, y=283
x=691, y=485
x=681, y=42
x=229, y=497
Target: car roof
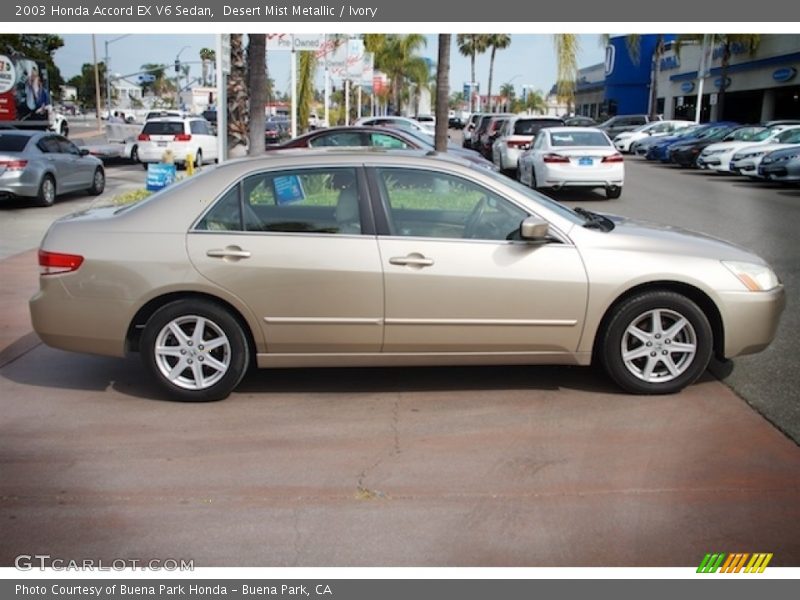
x=25, y=132
x=294, y=157
x=568, y=129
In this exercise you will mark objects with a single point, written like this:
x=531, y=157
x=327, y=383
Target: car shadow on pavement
x=128, y=377
x=791, y=193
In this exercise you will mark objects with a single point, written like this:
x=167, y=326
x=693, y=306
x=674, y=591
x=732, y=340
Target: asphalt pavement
x=762, y=217
x=500, y=466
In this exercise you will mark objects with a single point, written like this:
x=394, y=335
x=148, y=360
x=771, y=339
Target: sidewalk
x=20, y=277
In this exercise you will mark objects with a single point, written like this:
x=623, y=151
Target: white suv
x=185, y=137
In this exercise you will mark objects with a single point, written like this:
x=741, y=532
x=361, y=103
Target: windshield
x=579, y=138
x=789, y=137
x=13, y=143
x=532, y=126
x=163, y=127
x=763, y=135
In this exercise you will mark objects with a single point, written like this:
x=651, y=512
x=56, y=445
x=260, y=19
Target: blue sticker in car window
x=288, y=189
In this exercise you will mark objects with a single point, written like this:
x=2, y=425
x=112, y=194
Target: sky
x=529, y=60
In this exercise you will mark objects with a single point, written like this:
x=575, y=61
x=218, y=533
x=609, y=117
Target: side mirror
x=84, y=151
x=533, y=229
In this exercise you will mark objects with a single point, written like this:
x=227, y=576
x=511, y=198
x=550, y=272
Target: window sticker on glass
x=288, y=189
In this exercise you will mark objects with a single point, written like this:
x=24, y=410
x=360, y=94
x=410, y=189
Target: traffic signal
x=177, y=66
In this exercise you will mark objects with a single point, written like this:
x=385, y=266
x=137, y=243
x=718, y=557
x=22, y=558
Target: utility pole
x=96, y=81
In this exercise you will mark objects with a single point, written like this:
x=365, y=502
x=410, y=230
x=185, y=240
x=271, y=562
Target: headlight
x=754, y=154
x=756, y=278
x=713, y=152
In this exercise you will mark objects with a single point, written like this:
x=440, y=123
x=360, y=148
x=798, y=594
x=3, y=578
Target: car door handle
x=229, y=252
x=412, y=260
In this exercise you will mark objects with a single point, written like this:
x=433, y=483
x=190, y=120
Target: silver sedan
x=379, y=258
x=43, y=165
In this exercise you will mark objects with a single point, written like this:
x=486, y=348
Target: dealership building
x=760, y=86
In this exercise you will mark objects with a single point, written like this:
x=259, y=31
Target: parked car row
x=770, y=151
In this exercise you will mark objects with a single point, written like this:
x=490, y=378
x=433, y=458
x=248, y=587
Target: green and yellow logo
x=734, y=563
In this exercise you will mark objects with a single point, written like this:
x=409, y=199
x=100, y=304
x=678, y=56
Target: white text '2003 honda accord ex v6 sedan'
x=354, y=258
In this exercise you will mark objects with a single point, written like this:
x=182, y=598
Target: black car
x=455, y=123
x=685, y=154
x=276, y=132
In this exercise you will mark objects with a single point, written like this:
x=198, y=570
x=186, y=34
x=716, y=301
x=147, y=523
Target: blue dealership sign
x=687, y=86
x=784, y=74
x=718, y=82
x=159, y=176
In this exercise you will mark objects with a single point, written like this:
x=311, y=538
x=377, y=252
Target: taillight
x=51, y=263
x=613, y=158
x=183, y=137
x=516, y=143
x=143, y=137
x=14, y=165
x=555, y=158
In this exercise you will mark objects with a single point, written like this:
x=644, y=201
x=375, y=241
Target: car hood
x=729, y=146
x=762, y=148
x=668, y=239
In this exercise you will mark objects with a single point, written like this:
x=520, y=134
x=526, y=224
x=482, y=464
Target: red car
x=378, y=137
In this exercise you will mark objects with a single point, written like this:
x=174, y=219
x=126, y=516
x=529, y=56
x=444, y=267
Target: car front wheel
x=98, y=182
x=196, y=350
x=47, y=191
x=656, y=342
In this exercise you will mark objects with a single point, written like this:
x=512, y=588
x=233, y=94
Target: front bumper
x=750, y=319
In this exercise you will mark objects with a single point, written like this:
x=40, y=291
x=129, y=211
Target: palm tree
x=396, y=56
x=750, y=41
x=207, y=56
x=307, y=69
x=470, y=45
x=507, y=92
x=567, y=47
x=238, y=100
x=495, y=41
x=442, y=91
x=257, y=86
x=535, y=102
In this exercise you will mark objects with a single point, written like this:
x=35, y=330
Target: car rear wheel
x=135, y=154
x=198, y=159
x=47, y=191
x=656, y=342
x=613, y=192
x=196, y=350
x=98, y=182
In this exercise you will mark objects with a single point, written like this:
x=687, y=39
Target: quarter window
x=432, y=204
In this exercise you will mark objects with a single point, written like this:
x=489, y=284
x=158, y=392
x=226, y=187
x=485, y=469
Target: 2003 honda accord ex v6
x=356, y=258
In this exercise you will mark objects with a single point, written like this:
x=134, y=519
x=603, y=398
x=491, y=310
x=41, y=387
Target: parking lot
x=542, y=466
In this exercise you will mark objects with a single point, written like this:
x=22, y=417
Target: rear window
x=532, y=126
x=13, y=143
x=163, y=127
x=579, y=138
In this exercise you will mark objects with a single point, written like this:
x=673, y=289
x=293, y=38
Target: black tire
x=534, y=185
x=144, y=165
x=635, y=311
x=98, y=182
x=613, y=192
x=198, y=159
x=135, y=154
x=220, y=326
x=47, y=191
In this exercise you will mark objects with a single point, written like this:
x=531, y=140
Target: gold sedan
x=347, y=258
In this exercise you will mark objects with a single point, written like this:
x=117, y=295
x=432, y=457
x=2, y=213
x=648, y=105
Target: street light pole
x=178, y=77
x=108, y=71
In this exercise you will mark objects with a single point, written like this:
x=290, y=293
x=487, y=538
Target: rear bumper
x=19, y=183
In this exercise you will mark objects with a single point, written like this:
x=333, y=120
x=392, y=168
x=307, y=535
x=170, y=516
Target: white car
x=573, y=157
x=399, y=123
x=187, y=139
x=746, y=160
x=623, y=141
x=718, y=157
x=517, y=134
